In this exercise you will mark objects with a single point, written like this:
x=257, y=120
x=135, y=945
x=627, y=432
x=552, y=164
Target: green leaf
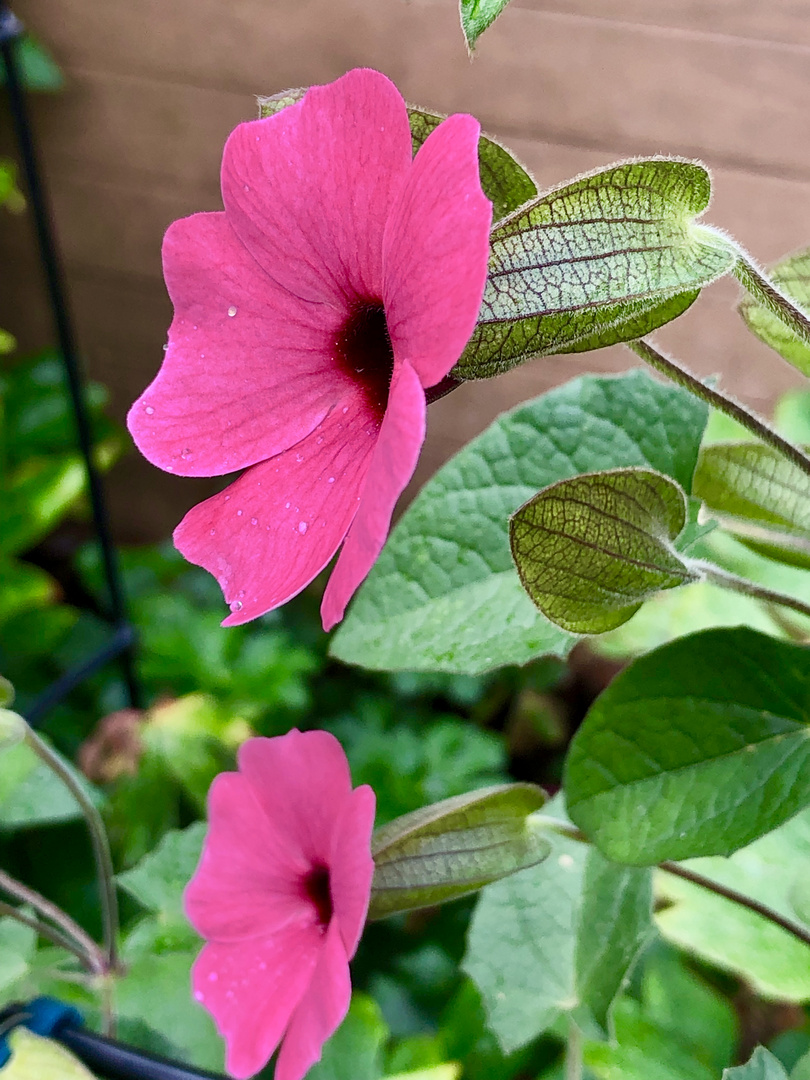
x=155, y=991
x=157, y=882
x=32, y=794
x=455, y=847
x=503, y=179
x=23, y=587
x=477, y=16
x=354, y=1052
x=792, y=416
x=38, y=69
x=792, y=276
x=801, y=1070
x=12, y=728
x=18, y=946
x=680, y=1002
x=755, y=483
x=642, y=1051
x=606, y=258
x=590, y=550
x=6, y=693
x=729, y=936
x=762, y=1065
x=444, y=594
x=521, y=945
x=615, y=923
x=697, y=748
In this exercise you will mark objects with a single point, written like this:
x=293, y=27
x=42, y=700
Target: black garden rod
x=11, y=29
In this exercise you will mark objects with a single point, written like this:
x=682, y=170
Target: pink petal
x=319, y=1013
x=395, y=456
x=248, y=371
x=272, y=531
x=309, y=190
x=435, y=251
x=247, y=884
x=352, y=866
x=252, y=988
x=302, y=782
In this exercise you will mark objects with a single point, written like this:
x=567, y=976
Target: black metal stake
x=10, y=31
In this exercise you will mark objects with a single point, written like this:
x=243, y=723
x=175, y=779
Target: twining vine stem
x=755, y=424
x=100, y=842
x=679, y=870
x=50, y=933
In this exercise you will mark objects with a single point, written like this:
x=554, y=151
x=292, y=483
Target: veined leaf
x=604, y=259
x=591, y=549
x=792, y=276
x=477, y=16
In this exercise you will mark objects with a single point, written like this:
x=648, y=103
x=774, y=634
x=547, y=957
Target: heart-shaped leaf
x=444, y=594
x=590, y=550
x=604, y=259
x=477, y=16
x=697, y=748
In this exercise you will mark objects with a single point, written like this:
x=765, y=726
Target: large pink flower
x=342, y=279
x=281, y=895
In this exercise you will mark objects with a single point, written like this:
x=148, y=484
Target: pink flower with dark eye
x=343, y=278
x=281, y=896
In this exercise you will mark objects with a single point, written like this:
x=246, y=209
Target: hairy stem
x=95, y=959
x=101, y=846
x=726, y=580
x=802, y=933
x=770, y=296
x=755, y=424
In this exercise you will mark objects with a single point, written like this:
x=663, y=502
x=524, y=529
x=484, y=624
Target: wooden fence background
x=154, y=87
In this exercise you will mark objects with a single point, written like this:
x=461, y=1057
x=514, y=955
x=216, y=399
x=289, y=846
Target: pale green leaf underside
x=504, y=180
x=755, y=483
x=792, y=275
x=604, y=259
x=477, y=16
x=698, y=748
x=773, y=871
x=521, y=945
x=455, y=847
x=590, y=550
x=444, y=594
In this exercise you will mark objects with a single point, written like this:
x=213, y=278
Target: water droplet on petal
x=166, y=346
x=235, y=606
x=247, y=186
x=212, y=976
x=239, y=513
x=198, y=995
x=331, y=480
x=253, y=521
x=302, y=527
x=345, y=409
x=286, y=506
x=213, y=532
x=149, y=410
x=299, y=458
x=319, y=440
x=227, y=497
x=231, y=311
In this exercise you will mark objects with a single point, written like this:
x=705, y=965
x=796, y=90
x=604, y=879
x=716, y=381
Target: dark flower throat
x=319, y=893
x=364, y=351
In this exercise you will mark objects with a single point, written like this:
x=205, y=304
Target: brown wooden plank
x=782, y=21
x=642, y=89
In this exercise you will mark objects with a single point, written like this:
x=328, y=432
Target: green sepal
x=455, y=847
x=590, y=550
x=604, y=259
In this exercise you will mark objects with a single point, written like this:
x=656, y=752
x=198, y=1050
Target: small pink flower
x=281, y=896
x=342, y=279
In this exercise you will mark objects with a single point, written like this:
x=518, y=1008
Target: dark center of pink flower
x=319, y=893
x=364, y=351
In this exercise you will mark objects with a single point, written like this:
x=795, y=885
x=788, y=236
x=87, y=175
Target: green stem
x=100, y=842
x=50, y=933
x=573, y=1053
x=96, y=962
x=802, y=933
x=726, y=580
x=755, y=424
